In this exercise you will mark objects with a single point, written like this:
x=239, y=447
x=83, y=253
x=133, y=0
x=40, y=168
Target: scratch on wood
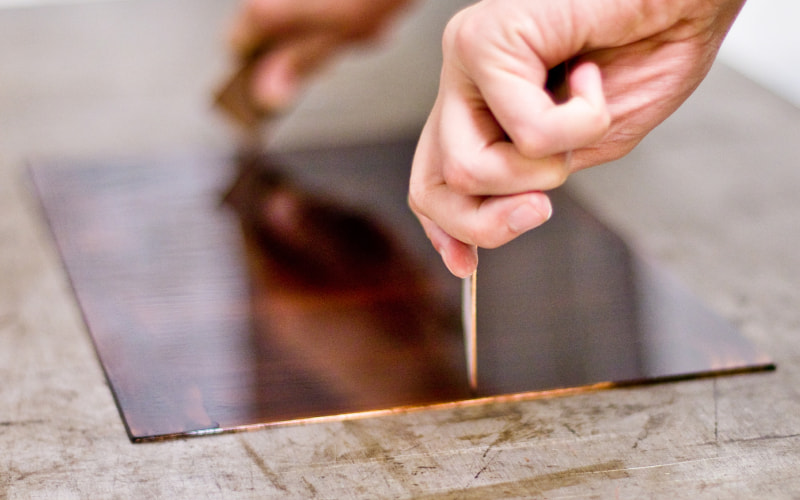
x=373, y=449
x=485, y=466
x=15, y=423
x=765, y=437
x=653, y=422
x=516, y=430
x=570, y=429
x=670, y=464
x=268, y=473
x=310, y=487
x=535, y=485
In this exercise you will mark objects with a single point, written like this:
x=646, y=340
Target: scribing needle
x=469, y=312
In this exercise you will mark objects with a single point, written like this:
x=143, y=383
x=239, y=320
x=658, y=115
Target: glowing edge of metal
x=767, y=365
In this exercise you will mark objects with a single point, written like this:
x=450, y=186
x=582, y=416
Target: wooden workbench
x=712, y=194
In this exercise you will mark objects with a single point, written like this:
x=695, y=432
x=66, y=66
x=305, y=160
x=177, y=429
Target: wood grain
x=712, y=194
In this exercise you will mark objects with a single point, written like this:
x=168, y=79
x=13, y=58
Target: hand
x=298, y=36
x=496, y=139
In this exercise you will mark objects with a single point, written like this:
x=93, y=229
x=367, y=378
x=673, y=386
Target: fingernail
x=443, y=255
x=535, y=211
x=275, y=90
x=462, y=268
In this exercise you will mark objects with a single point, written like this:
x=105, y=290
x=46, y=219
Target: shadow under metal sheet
x=226, y=294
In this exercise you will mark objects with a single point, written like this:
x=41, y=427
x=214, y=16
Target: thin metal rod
x=470, y=330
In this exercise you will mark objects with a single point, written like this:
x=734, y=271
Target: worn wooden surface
x=712, y=194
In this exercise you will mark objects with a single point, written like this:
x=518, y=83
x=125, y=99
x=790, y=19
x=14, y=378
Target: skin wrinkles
x=651, y=56
x=494, y=139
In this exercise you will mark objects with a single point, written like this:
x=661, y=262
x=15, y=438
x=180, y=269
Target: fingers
x=487, y=222
x=260, y=21
x=539, y=127
x=472, y=186
x=286, y=41
x=455, y=222
x=459, y=258
x=290, y=39
x=279, y=73
x=276, y=20
x=252, y=25
x=480, y=159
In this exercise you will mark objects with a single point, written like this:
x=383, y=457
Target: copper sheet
x=226, y=293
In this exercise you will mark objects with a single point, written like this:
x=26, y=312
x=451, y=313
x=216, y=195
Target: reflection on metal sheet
x=302, y=288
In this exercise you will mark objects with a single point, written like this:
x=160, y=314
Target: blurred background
x=127, y=76
x=764, y=44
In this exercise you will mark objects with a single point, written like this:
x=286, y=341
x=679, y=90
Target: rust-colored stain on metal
x=229, y=293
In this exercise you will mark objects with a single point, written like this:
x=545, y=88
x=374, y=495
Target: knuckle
x=416, y=197
x=463, y=32
x=461, y=177
x=530, y=143
x=600, y=123
x=554, y=177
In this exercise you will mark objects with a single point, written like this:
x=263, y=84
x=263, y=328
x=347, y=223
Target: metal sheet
x=226, y=294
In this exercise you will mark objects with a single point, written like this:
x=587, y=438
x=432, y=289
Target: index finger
x=260, y=21
x=536, y=124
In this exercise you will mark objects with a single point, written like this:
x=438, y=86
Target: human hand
x=293, y=38
x=496, y=140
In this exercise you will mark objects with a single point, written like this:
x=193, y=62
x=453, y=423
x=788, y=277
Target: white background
x=764, y=44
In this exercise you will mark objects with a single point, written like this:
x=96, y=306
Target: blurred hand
x=496, y=139
x=296, y=37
